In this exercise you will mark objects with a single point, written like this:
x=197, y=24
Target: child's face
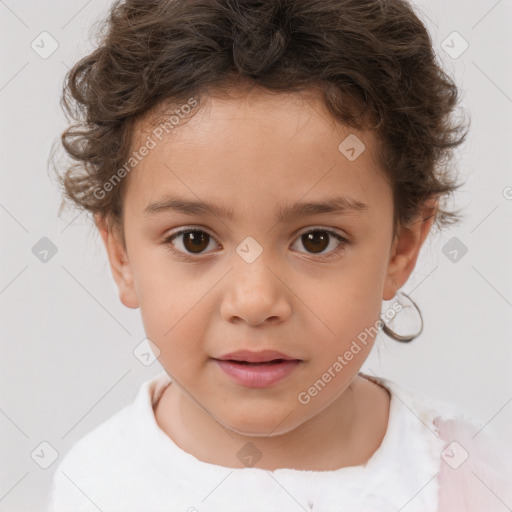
x=257, y=155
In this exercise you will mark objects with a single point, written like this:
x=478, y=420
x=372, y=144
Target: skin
x=250, y=152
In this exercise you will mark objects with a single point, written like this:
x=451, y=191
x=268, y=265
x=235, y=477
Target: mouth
x=261, y=363
x=262, y=357
x=257, y=374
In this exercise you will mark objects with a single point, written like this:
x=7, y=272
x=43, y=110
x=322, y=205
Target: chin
x=257, y=424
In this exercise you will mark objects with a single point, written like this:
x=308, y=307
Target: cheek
x=346, y=303
x=173, y=324
x=171, y=308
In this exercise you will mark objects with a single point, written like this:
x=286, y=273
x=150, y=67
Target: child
x=216, y=142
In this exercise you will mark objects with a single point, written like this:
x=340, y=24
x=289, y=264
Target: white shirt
x=128, y=463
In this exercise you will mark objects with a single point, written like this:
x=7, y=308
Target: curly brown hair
x=372, y=60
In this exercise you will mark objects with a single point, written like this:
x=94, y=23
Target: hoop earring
x=399, y=337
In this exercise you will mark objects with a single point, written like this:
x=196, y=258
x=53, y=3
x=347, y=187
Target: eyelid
x=319, y=227
x=199, y=227
x=192, y=227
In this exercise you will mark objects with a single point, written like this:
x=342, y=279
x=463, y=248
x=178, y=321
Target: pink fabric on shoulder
x=475, y=470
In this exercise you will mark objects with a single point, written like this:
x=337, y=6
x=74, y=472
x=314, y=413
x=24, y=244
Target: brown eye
x=193, y=241
x=317, y=242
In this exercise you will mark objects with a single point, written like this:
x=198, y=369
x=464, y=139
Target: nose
x=255, y=294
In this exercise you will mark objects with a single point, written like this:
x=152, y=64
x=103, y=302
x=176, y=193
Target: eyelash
x=169, y=245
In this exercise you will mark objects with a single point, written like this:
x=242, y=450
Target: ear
x=406, y=248
x=119, y=262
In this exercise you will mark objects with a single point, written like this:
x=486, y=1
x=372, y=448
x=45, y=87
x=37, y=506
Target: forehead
x=257, y=111
x=253, y=147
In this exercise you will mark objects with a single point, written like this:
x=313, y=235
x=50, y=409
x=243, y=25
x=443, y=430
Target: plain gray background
x=67, y=361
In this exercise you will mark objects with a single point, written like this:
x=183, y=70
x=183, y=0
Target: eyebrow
x=285, y=213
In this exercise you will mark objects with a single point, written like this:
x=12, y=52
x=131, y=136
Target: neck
x=343, y=434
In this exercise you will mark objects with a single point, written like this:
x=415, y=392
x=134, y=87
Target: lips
x=257, y=369
x=257, y=375
x=263, y=356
